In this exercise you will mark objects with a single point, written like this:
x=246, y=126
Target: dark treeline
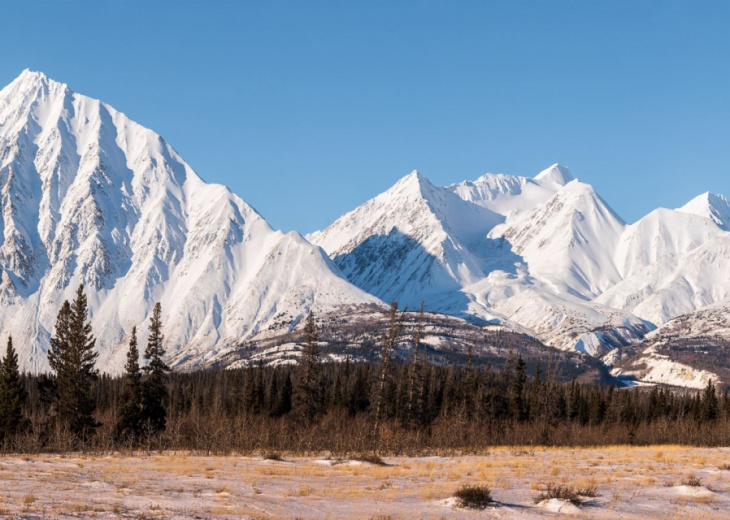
x=447, y=408
x=388, y=407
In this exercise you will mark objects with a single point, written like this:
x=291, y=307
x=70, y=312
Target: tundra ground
x=630, y=482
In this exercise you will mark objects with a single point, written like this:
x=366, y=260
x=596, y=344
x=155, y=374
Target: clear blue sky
x=307, y=108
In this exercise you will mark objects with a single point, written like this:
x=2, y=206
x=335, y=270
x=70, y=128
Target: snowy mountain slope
x=88, y=196
x=709, y=205
x=662, y=236
x=653, y=367
x=408, y=244
x=510, y=195
x=688, y=350
x=415, y=241
x=676, y=285
x=561, y=321
x=711, y=320
x=568, y=241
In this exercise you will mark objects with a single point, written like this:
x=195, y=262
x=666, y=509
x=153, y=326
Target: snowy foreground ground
x=631, y=483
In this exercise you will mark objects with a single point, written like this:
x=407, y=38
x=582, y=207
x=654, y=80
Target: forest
x=382, y=407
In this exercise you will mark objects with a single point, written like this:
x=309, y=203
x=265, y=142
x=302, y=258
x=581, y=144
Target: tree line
x=392, y=407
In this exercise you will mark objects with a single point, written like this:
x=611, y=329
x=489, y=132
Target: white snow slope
x=548, y=254
x=88, y=196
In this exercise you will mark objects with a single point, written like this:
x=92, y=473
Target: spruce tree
x=709, y=409
x=253, y=396
x=130, y=409
x=72, y=358
x=154, y=384
x=358, y=391
x=517, y=390
x=12, y=394
x=282, y=404
x=271, y=394
x=307, y=395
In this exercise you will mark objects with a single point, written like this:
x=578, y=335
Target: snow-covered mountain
x=549, y=255
x=89, y=196
x=470, y=250
x=412, y=242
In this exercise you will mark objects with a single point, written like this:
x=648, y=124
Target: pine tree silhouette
x=154, y=383
x=72, y=358
x=307, y=395
x=130, y=407
x=12, y=394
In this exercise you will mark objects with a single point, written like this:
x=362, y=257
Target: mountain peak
x=412, y=183
x=34, y=74
x=712, y=206
x=27, y=88
x=31, y=78
x=415, y=175
x=556, y=174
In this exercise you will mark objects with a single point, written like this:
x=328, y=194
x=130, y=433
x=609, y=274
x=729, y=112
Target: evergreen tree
x=709, y=409
x=517, y=391
x=282, y=402
x=130, y=408
x=358, y=391
x=12, y=394
x=537, y=391
x=154, y=384
x=253, y=397
x=573, y=401
x=72, y=358
x=307, y=394
x=271, y=393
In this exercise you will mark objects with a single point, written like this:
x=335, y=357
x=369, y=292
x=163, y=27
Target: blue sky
x=307, y=108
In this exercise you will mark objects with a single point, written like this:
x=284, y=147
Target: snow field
x=631, y=482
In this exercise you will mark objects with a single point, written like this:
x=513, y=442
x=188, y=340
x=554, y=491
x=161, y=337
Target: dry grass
x=234, y=486
x=305, y=491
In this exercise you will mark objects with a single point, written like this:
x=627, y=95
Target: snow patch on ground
x=693, y=491
x=557, y=505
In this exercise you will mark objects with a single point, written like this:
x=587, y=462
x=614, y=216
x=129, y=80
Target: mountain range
x=88, y=196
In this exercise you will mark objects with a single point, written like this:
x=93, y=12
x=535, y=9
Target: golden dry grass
x=626, y=477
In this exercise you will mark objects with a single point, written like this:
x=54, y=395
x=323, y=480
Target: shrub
x=691, y=480
x=372, y=459
x=590, y=491
x=566, y=492
x=473, y=497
